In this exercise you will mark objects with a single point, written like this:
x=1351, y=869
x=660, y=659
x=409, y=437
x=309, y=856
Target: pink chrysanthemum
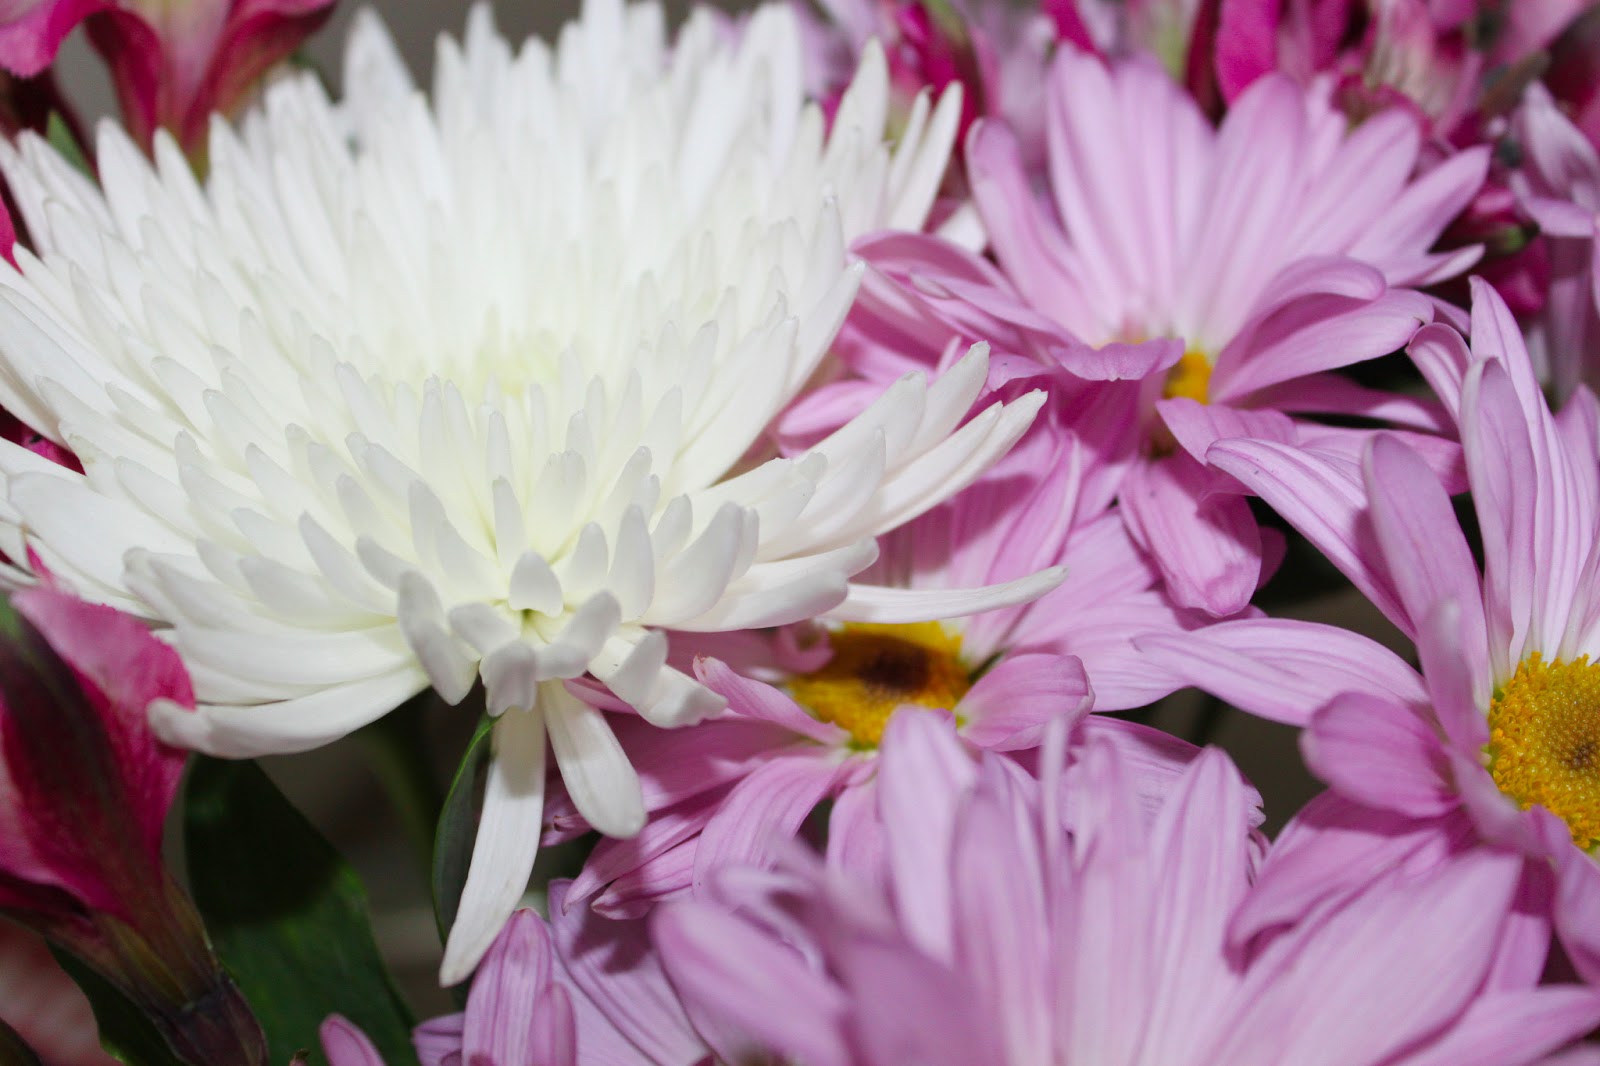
x=1206, y=279
x=1497, y=746
x=997, y=936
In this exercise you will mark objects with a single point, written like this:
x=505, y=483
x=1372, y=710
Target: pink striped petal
x=1207, y=546
x=1380, y=754
x=1010, y=705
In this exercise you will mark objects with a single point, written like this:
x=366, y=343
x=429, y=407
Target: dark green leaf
x=458, y=828
x=458, y=825
x=61, y=138
x=126, y=1034
x=287, y=914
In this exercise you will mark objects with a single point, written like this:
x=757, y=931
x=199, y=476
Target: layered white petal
x=417, y=389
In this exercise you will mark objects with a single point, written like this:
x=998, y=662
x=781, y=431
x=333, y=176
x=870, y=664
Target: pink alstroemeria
x=807, y=706
x=577, y=989
x=999, y=932
x=173, y=63
x=84, y=793
x=1227, y=272
x=1496, y=747
x=1559, y=185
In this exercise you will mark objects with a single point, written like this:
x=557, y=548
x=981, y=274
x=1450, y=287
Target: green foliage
x=287, y=914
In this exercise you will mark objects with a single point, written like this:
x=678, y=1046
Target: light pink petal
x=1502, y=1028
x=1442, y=356
x=347, y=1045
x=923, y=770
x=514, y=976
x=1011, y=704
x=756, y=700
x=1334, y=849
x=615, y=967
x=1577, y=910
x=1123, y=362
x=438, y=1040
x=675, y=764
x=735, y=974
x=1354, y=965
x=1323, y=497
x=1197, y=426
x=648, y=859
x=669, y=875
x=857, y=842
x=1207, y=546
x=920, y=1012
x=1417, y=217
x=1424, y=549
x=1200, y=846
x=1334, y=394
x=763, y=812
x=1380, y=754
x=1317, y=333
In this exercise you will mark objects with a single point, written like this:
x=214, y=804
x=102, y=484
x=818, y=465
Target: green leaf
x=287, y=914
x=125, y=1032
x=458, y=828
x=61, y=138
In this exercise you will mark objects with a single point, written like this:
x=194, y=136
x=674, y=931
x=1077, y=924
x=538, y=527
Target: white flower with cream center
x=409, y=393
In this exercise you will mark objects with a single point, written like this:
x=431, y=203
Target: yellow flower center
x=878, y=668
x=1190, y=378
x=1544, y=742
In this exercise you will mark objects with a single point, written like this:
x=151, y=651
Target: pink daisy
x=997, y=934
x=807, y=708
x=1209, y=280
x=1497, y=745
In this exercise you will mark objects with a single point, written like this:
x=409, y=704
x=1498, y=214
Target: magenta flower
x=84, y=792
x=1497, y=746
x=807, y=708
x=1003, y=930
x=173, y=64
x=1193, y=282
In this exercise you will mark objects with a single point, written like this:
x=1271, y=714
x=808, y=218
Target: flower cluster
x=811, y=450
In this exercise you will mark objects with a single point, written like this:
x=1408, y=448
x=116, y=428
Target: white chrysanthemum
x=408, y=394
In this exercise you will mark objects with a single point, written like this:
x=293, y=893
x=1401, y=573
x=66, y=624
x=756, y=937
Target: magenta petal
x=1247, y=43
x=32, y=34
x=346, y=1045
x=734, y=973
x=1380, y=754
x=1207, y=546
x=1011, y=704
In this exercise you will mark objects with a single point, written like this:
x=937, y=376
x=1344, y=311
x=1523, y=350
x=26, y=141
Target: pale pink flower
x=1497, y=745
x=1002, y=931
x=807, y=707
x=1204, y=279
x=172, y=63
x=577, y=989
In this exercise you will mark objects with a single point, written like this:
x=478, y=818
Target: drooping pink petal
x=1012, y=703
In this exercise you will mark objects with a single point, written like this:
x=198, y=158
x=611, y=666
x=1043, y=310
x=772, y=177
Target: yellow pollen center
x=878, y=668
x=1544, y=742
x=1190, y=378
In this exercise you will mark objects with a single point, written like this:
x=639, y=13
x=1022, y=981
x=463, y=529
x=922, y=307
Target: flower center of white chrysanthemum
x=876, y=669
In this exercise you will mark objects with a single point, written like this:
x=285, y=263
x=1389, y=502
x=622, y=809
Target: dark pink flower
x=84, y=792
x=173, y=63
